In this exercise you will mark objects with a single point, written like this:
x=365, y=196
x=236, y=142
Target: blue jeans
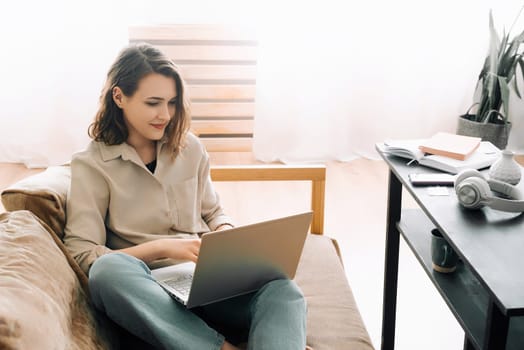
x=122, y=287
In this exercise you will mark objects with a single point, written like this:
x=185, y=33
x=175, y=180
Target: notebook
x=237, y=261
x=485, y=155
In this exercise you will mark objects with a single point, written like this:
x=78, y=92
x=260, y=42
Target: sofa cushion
x=334, y=321
x=44, y=194
x=41, y=303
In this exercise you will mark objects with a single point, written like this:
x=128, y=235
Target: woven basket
x=497, y=134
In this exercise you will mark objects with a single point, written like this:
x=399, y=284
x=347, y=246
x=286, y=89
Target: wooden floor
x=355, y=214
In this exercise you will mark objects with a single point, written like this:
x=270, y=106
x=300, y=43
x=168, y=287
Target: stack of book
x=446, y=152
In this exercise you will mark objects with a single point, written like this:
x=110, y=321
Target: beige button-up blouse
x=115, y=202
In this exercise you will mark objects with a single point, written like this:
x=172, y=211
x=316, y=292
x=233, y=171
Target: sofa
x=44, y=300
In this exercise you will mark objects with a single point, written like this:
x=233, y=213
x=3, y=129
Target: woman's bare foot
x=228, y=346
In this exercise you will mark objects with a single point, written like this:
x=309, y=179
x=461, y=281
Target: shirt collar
x=123, y=150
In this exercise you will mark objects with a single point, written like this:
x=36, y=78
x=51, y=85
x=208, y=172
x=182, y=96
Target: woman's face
x=148, y=111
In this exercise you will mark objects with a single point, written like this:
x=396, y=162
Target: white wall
x=395, y=69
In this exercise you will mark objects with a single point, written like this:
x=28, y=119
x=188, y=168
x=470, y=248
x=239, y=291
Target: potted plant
x=496, y=80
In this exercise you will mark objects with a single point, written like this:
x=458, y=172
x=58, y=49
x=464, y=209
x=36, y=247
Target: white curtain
x=335, y=79
x=334, y=76
x=54, y=57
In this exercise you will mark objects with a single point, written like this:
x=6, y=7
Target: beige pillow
x=44, y=194
x=41, y=303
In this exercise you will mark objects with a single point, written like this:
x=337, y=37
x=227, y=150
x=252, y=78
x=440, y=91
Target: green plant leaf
x=485, y=69
x=509, y=68
x=516, y=88
x=520, y=37
x=521, y=65
x=494, y=45
x=504, y=95
x=499, y=74
x=502, y=52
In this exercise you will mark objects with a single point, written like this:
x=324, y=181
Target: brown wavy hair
x=131, y=65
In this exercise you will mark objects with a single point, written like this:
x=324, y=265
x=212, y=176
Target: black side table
x=486, y=292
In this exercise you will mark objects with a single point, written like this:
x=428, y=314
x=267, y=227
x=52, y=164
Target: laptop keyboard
x=181, y=283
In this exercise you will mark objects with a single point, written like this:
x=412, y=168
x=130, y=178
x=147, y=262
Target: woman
x=141, y=192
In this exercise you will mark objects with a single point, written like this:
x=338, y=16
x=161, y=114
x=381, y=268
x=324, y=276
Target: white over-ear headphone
x=474, y=192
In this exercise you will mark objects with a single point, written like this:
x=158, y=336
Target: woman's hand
x=181, y=249
x=173, y=248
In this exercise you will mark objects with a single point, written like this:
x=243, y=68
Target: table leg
x=496, y=328
x=468, y=345
x=391, y=263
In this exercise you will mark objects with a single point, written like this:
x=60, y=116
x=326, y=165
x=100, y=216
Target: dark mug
x=443, y=256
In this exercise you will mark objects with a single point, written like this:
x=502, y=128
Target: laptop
x=237, y=261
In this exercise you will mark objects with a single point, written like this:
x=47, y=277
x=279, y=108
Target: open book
x=485, y=155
